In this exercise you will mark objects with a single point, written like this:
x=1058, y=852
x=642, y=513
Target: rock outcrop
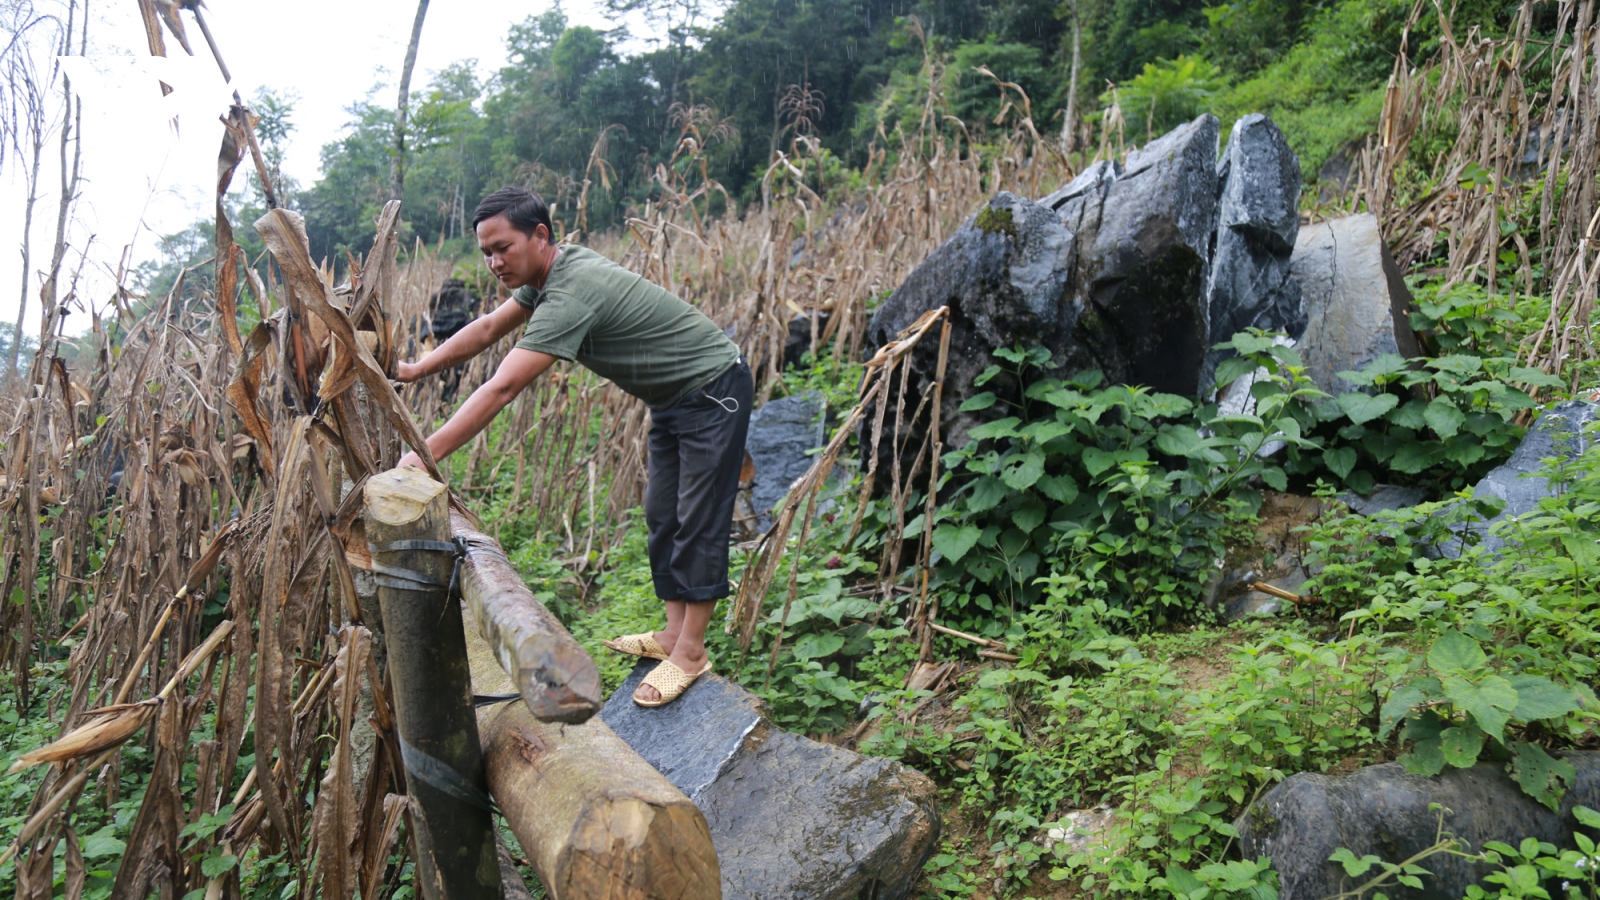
x=790, y=817
x=1258, y=221
x=1136, y=270
x=1357, y=305
x=1384, y=811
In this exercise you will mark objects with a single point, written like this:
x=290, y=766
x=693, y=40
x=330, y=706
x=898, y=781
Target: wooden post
x=431, y=684
x=594, y=818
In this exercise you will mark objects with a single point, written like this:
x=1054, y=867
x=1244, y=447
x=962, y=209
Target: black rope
x=444, y=778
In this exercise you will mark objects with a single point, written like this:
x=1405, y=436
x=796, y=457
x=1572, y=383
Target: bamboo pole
x=432, y=690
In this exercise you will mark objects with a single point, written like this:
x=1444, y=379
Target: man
x=575, y=304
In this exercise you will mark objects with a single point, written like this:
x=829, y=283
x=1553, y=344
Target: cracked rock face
x=1383, y=810
x=790, y=817
x=1357, y=305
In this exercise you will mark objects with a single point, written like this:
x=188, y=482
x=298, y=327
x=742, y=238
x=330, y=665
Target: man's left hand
x=410, y=461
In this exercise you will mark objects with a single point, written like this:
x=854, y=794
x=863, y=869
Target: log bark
x=557, y=679
x=595, y=819
x=431, y=683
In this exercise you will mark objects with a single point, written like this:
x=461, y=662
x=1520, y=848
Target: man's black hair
x=523, y=209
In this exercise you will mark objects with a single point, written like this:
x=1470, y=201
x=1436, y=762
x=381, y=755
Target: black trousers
x=696, y=451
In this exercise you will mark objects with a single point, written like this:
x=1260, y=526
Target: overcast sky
x=145, y=176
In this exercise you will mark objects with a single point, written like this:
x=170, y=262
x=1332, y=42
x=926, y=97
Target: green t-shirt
x=622, y=327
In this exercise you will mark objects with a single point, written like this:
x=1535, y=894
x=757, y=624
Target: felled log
x=431, y=685
x=557, y=679
x=596, y=821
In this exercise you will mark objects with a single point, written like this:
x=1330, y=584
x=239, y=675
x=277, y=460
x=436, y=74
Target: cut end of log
x=403, y=495
x=626, y=847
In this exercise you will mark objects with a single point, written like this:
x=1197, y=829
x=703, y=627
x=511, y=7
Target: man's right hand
x=405, y=372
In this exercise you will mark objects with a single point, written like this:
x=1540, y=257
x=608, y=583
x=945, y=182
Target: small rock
x=790, y=817
x=782, y=434
x=1081, y=829
x=798, y=343
x=1383, y=497
x=1357, y=305
x=453, y=307
x=1559, y=434
x=1384, y=811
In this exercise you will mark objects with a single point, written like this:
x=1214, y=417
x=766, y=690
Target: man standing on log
x=575, y=304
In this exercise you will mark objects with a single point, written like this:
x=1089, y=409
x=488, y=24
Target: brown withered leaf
x=108, y=727
x=245, y=389
x=285, y=235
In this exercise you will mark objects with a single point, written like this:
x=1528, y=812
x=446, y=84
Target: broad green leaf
x=1453, y=651
x=1542, y=776
x=1024, y=472
x=1459, y=364
x=1047, y=430
x=1534, y=377
x=1540, y=698
x=986, y=493
x=1586, y=816
x=1490, y=701
x=1409, y=415
x=1583, y=550
x=1463, y=450
x=1363, y=408
x=1060, y=488
x=1413, y=457
x=1426, y=758
x=953, y=541
x=1401, y=701
x=1232, y=369
x=1340, y=460
x=1000, y=428
x=103, y=843
x=985, y=376
x=1385, y=368
x=1444, y=417
x=213, y=866
x=1275, y=478
x=1028, y=517
x=1178, y=440
x=1353, y=866
x=979, y=402
x=1097, y=460
x=1182, y=883
x=1460, y=745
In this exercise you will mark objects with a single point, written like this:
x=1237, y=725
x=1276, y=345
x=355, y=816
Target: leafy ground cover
x=1079, y=528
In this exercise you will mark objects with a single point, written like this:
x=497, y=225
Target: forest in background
x=572, y=115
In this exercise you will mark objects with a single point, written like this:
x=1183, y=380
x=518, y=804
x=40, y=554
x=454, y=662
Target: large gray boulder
x=790, y=817
x=1004, y=274
x=1357, y=305
x=1560, y=433
x=1143, y=260
x=1384, y=811
x=1258, y=221
x=782, y=434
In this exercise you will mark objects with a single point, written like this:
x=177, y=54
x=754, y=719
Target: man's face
x=514, y=258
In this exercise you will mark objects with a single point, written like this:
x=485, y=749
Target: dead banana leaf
x=110, y=727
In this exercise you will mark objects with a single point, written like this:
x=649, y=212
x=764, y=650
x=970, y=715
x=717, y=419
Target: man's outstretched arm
x=516, y=372
x=480, y=334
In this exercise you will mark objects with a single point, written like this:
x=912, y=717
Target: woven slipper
x=644, y=645
x=670, y=681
